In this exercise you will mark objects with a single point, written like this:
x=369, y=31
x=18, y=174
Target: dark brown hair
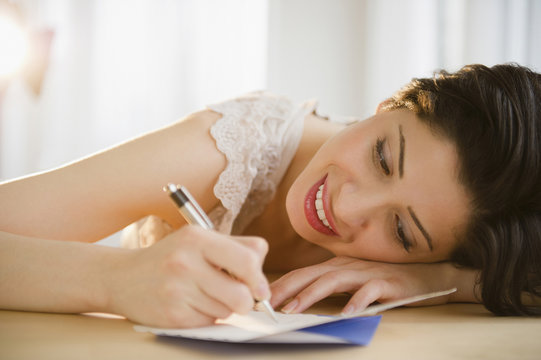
x=493, y=115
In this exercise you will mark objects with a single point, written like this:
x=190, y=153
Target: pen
x=195, y=215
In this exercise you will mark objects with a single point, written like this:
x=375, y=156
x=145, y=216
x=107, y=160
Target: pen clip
x=195, y=204
x=179, y=192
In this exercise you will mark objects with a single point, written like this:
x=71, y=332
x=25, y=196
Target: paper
x=293, y=328
x=257, y=327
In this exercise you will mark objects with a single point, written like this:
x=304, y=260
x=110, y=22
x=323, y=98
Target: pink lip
x=311, y=213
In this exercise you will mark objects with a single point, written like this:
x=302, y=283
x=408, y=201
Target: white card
x=258, y=326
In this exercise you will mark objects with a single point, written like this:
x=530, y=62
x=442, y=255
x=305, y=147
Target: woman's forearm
x=371, y=281
x=177, y=282
x=54, y=276
x=465, y=280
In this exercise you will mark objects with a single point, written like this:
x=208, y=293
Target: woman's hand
x=368, y=282
x=180, y=281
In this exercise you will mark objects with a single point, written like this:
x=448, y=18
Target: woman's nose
x=355, y=206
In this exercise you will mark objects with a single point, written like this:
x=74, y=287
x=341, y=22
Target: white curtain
x=352, y=54
x=119, y=68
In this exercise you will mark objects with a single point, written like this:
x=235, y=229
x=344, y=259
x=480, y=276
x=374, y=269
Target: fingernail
x=262, y=292
x=348, y=310
x=290, y=307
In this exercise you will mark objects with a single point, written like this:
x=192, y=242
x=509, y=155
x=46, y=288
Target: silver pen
x=195, y=215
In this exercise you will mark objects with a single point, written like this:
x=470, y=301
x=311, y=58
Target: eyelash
x=401, y=237
x=379, y=158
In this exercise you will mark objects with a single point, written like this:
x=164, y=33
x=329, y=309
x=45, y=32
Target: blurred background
x=80, y=76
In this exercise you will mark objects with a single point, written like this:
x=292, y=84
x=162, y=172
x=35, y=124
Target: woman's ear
x=382, y=104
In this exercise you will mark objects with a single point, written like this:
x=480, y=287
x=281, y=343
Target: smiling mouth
x=316, y=210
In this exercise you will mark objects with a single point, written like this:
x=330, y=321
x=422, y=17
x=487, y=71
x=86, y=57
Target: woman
x=492, y=116
x=447, y=172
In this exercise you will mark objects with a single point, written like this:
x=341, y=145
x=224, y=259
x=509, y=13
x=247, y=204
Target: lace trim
x=259, y=134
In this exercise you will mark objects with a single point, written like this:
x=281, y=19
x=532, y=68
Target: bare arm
x=47, y=275
x=370, y=281
x=176, y=282
x=94, y=197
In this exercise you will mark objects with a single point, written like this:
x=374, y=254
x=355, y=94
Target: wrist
x=109, y=279
x=465, y=280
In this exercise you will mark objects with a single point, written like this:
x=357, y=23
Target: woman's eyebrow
x=402, y=147
x=421, y=228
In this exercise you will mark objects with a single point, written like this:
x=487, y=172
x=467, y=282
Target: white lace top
x=258, y=133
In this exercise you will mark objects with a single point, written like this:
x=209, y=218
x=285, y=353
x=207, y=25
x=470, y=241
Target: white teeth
x=319, y=207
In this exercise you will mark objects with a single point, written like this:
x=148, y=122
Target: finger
x=292, y=283
x=240, y=261
x=209, y=306
x=194, y=295
x=328, y=284
x=370, y=292
x=234, y=295
x=202, y=278
x=259, y=245
x=295, y=281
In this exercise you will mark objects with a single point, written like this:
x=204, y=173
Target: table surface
x=454, y=331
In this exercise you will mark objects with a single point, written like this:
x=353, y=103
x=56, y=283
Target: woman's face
x=384, y=189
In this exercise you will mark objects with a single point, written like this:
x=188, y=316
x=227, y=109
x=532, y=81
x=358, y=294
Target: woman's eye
x=401, y=237
x=380, y=156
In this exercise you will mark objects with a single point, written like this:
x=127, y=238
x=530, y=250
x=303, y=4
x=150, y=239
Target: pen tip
x=268, y=308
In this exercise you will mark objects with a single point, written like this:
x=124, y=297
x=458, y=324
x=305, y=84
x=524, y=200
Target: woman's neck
x=285, y=245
